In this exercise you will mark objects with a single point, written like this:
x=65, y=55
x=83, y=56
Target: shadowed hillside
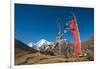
x=22, y=49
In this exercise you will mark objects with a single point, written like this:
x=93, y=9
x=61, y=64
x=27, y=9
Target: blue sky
x=34, y=22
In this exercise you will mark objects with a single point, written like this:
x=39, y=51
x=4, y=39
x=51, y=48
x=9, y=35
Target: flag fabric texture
x=76, y=37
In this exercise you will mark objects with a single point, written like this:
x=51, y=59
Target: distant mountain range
x=41, y=45
x=55, y=48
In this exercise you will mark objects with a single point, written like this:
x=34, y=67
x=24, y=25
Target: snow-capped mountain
x=42, y=42
x=31, y=44
x=40, y=45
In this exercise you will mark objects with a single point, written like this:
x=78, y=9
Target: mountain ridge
x=39, y=44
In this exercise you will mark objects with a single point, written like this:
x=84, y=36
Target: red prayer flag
x=76, y=37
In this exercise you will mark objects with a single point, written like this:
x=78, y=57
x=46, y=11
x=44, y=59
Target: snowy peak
x=40, y=44
x=31, y=44
x=43, y=42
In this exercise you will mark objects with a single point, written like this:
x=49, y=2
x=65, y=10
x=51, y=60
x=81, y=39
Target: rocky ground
x=38, y=58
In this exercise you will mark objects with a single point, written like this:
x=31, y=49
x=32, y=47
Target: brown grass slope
x=22, y=49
